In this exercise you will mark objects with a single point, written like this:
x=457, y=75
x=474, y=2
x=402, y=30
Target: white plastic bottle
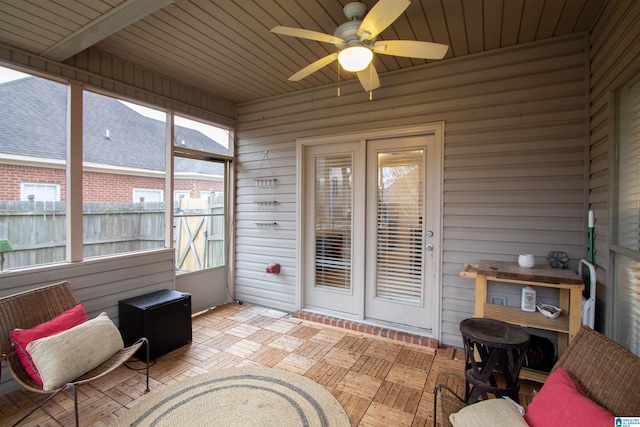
x=528, y=299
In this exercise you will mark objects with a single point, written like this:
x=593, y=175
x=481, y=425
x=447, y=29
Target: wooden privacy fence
x=37, y=232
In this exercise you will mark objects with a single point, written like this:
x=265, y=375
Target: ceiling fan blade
x=306, y=34
x=313, y=67
x=411, y=49
x=380, y=17
x=369, y=78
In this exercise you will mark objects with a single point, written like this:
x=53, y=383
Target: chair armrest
x=450, y=403
x=608, y=372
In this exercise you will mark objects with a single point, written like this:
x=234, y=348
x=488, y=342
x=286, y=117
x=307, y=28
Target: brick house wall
x=196, y=186
x=97, y=186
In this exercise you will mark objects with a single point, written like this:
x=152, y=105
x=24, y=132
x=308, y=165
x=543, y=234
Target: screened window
x=33, y=155
x=123, y=157
x=199, y=214
x=198, y=136
x=626, y=221
x=123, y=178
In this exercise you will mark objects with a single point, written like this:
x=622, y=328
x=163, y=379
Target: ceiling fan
x=356, y=41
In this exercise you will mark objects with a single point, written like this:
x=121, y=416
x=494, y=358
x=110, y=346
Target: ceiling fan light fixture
x=355, y=58
x=356, y=41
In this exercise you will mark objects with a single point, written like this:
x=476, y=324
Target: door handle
x=429, y=247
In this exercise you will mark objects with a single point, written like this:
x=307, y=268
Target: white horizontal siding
x=99, y=283
x=514, y=161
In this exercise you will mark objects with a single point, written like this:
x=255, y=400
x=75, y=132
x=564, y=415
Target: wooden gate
x=199, y=233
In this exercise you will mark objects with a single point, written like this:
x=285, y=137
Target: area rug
x=248, y=396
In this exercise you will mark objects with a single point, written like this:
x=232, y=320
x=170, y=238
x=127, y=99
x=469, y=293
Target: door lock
x=429, y=233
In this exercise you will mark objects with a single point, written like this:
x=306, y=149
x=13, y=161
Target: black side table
x=492, y=346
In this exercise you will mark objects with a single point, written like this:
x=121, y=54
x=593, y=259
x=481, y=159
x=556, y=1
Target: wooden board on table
x=538, y=273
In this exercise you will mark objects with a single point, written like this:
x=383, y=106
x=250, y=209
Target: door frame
x=434, y=188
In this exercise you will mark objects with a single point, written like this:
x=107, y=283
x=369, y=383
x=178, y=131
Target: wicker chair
x=31, y=308
x=607, y=372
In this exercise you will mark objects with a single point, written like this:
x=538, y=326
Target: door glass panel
x=333, y=207
x=399, y=225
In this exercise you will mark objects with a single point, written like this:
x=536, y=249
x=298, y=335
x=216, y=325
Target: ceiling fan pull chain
x=338, y=79
x=371, y=81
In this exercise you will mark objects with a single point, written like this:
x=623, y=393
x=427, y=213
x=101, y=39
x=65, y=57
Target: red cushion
x=21, y=337
x=562, y=402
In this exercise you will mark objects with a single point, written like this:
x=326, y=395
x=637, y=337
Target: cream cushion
x=63, y=357
x=492, y=412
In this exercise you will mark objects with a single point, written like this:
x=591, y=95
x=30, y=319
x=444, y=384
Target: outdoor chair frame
x=33, y=307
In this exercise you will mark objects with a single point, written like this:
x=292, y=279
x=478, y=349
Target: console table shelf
x=567, y=282
x=516, y=316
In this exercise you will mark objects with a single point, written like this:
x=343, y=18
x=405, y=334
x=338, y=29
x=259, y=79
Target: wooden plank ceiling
x=225, y=46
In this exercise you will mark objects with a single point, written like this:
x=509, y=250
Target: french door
x=371, y=227
x=334, y=206
x=399, y=232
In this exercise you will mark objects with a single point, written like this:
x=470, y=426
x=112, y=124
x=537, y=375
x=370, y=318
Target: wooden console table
x=568, y=283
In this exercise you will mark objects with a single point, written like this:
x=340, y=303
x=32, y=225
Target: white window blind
x=399, y=240
x=626, y=248
x=333, y=207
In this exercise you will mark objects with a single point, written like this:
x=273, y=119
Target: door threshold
x=390, y=331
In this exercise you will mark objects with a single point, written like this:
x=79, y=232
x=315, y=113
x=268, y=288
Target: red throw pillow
x=562, y=402
x=21, y=337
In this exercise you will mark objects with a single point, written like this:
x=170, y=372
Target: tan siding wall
x=514, y=161
x=615, y=59
x=102, y=71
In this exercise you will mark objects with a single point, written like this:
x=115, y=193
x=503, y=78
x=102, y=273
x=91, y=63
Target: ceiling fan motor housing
x=354, y=10
x=349, y=33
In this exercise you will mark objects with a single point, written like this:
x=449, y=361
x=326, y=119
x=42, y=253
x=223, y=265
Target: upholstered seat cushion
x=20, y=338
x=492, y=412
x=63, y=357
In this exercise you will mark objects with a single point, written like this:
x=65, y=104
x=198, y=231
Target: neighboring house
x=124, y=152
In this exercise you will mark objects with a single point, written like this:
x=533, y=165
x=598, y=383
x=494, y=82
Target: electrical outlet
x=499, y=300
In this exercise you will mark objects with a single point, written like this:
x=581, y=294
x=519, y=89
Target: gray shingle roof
x=33, y=122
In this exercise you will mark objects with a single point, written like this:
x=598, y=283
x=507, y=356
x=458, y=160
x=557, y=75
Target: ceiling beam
x=107, y=24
